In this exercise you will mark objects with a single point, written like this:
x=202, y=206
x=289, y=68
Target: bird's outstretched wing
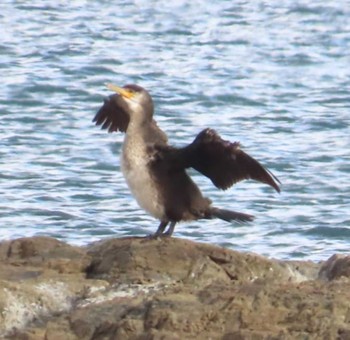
x=224, y=162
x=112, y=115
x=221, y=161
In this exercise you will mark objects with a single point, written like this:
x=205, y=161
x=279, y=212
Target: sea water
x=274, y=75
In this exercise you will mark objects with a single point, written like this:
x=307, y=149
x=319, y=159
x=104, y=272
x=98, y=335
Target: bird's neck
x=136, y=125
x=139, y=117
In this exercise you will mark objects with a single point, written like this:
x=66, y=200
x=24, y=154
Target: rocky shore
x=139, y=288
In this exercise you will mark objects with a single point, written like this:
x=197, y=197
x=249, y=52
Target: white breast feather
x=135, y=170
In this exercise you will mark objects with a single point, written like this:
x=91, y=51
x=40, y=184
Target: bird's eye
x=132, y=93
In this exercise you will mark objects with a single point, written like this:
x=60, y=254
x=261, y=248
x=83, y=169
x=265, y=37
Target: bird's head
x=138, y=101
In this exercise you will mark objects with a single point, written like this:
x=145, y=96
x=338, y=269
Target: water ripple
x=274, y=76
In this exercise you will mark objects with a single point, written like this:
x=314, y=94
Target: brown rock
x=335, y=267
x=138, y=288
x=140, y=260
x=44, y=252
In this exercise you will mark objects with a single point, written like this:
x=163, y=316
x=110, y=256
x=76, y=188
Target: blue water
x=273, y=75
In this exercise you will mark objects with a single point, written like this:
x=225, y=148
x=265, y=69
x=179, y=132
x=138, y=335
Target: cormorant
x=156, y=172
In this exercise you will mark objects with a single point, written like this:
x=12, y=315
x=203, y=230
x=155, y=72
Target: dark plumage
x=156, y=172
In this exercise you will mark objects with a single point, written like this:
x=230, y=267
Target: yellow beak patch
x=123, y=92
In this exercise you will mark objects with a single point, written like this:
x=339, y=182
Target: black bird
x=156, y=172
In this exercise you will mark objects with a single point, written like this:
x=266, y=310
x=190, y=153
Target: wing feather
x=224, y=162
x=112, y=115
x=221, y=161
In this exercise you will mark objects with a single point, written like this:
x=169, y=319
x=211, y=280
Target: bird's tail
x=229, y=215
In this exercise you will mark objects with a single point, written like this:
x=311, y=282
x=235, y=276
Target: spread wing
x=224, y=162
x=112, y=115
x=221, y=161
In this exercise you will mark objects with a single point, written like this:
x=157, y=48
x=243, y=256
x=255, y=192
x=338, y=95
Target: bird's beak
x=123, y=92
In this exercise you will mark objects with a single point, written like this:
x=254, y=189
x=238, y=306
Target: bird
x=156, y=172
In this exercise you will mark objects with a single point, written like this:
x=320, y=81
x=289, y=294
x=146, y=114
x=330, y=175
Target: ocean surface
x=274, y=75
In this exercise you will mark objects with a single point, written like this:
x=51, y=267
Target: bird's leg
x=170, y=230
x=160, y=229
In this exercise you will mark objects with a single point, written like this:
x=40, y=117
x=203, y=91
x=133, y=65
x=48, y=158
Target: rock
x=140, y=288
x=335, y=267
x=139, y=260
x=31, y=255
